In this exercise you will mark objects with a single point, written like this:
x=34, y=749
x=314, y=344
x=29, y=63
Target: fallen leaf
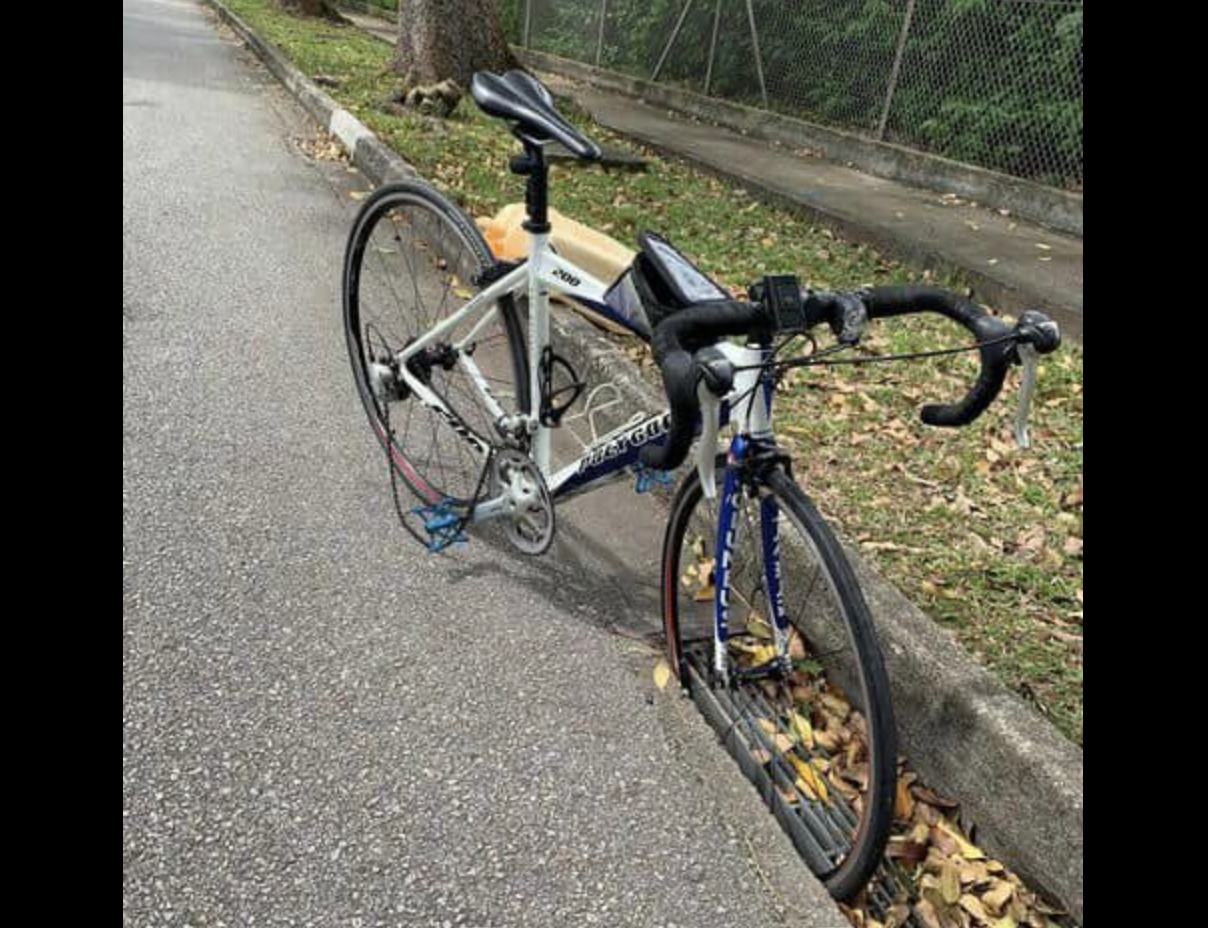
x=964, y=847
x=973, y=873
x=973, y=906
x=904, y=803
x=1031, y=541
x=662, y=674
x=998, y=897
x=910, y=853
x=758, y=626
x=927, y=914
x=815, y=788
x=950, y=883
x=802, y=730
x=931, y=798
x=797, y=647
x=827, y=740
x=704, y=574
x=837, y=706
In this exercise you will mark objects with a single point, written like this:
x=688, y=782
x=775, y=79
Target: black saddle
x=528, y=104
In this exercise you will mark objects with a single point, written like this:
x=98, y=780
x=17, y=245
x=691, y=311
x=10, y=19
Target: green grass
x=983, y=537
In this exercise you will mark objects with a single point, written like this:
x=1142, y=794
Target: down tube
x=609, y=458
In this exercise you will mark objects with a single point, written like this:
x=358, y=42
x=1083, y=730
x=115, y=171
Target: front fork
x=769, y=520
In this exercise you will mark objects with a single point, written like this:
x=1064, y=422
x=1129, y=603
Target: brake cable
x=815, y=359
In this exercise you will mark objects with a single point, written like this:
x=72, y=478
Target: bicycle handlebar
x=679, y=337
x=675, y=343
x=996, y=355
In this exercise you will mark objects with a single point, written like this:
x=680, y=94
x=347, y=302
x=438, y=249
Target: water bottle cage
x=555, y=403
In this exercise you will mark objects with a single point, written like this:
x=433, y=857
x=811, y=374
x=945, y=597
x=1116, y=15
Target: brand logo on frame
x=639, y=435
x=567, y=277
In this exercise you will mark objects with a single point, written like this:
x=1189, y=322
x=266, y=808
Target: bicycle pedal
x=444, y=527
x=648, y=479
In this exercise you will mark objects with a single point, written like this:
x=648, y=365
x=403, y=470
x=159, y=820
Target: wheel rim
x=411, y=267
x=838, y=811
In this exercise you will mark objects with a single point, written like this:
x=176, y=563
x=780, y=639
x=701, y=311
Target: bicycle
x=465, y=398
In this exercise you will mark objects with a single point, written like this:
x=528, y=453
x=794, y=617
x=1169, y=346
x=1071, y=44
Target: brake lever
x=1038, y=334
x=706, y=462
x=1030, y=359
x=716, y=380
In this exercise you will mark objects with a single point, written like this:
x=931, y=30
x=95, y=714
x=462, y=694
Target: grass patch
x=985, y=538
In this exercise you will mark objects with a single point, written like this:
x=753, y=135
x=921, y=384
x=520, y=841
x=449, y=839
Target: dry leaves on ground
x=949, y=881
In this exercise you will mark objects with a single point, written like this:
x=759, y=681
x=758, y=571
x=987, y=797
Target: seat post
x=532, y=164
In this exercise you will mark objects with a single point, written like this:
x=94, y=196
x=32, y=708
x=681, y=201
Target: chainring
x=531, y=525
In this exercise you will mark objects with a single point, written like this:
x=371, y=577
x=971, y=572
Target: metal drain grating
x=817, y=829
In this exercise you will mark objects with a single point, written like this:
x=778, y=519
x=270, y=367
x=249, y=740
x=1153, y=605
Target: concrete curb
x=1019, y=780
x=1057, y=209
x=365, y=150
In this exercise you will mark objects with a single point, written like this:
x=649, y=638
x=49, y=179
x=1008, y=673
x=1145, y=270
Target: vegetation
x=986, y=539
x=997, y=84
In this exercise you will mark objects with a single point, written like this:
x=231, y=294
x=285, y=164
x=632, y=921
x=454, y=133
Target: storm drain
x=819, y=830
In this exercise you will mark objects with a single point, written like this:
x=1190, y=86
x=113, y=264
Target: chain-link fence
x=997, y=83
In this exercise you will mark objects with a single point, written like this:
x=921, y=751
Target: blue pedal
x=443, y=525
x=650, y=479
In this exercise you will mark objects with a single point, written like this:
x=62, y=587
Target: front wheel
x=811, y=704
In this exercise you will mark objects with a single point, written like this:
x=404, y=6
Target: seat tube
x=538, y=340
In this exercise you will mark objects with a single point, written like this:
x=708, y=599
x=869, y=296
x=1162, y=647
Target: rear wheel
x=411, y=263
x=820, y=731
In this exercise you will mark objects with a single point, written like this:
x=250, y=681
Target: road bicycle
x=452, y=357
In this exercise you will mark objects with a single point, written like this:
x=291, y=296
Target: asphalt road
x=323, y=725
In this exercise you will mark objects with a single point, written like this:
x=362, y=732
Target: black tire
x=859, y=666
x=442, y=254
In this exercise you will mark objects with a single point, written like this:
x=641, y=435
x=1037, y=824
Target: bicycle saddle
x=526, y=102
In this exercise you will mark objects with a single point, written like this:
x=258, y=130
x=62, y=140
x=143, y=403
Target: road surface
x=323, y=725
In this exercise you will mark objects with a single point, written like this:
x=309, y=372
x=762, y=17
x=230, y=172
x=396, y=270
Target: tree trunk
x=449, y=39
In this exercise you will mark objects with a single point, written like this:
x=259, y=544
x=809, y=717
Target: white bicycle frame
x=544, y=275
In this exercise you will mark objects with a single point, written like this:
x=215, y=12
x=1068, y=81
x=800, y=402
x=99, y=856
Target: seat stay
x=484, y=302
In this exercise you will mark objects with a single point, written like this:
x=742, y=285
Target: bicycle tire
x=432, y=459
x=870, y=836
